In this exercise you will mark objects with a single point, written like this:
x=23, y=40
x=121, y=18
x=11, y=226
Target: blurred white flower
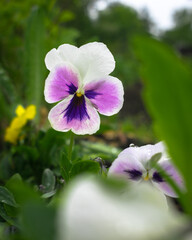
x=89, y=211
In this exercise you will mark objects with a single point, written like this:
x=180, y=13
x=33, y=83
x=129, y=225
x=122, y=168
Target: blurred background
x=29, y=29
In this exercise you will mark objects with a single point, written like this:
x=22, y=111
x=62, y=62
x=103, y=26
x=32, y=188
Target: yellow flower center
x=80, y=91
x=146, y=177
x=79, y=94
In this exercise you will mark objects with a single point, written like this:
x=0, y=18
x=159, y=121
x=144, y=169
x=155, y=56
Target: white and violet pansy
x=133, y=163
x=79, y=79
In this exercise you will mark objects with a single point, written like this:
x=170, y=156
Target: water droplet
x=132, y=145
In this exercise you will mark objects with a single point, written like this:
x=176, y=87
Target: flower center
x=80, y=92
x=146, y=176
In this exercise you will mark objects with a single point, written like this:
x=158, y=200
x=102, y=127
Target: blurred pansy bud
x=91, y=211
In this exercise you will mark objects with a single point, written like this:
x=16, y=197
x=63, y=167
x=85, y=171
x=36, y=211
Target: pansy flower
x=79, y=80
x=134, y=164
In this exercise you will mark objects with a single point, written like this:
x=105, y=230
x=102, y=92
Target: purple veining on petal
x=106, y=94
x=91, y=94
x=76, y=109
x=134, y=174
x=174, y=174
x=72, y=88
x=157, y=177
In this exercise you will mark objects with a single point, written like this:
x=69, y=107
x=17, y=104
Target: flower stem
x=71, y=146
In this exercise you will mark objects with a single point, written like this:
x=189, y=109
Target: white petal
x=92, y=60
x=64, y=53
x=149, y=150
x=52, y=59
x=95, y=61
x=69, y=53
x=128, y=160
x=135, y=158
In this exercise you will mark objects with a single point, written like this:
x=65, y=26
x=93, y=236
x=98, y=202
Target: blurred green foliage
x=33, y=172
x=116, y=26
x=168, y=97
x=34, y=52
x=180, y=36
x=35, y=27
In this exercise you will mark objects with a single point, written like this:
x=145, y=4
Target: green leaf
x=114, y=184
x=22, y=192
x=34, y=67
x=154, y=159
x=7, y=197
x=168, y=85
x=26, y=152
x=6, y=217
x=65, y=166
x=49, y=194
x=85, y=167
x=16, y=178
x=11, y=211
x=38, y=221
x=50, y=146
x=100, y=148
x=48, y=180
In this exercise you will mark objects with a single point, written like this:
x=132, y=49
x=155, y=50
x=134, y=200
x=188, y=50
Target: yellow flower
x=28, y=113
x=18, y=122
x=20, y=110
x=11, y=135
x=13, y=131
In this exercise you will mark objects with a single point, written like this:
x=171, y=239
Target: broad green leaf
x=11, y=211
x=6, y=217
x=22, y=192
x=38, y=221
x=34, y=67
x=114, y=184
x=48, y=180
x=85, y=167
x=168, y=85
x=7, y=197
x=16, y=178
